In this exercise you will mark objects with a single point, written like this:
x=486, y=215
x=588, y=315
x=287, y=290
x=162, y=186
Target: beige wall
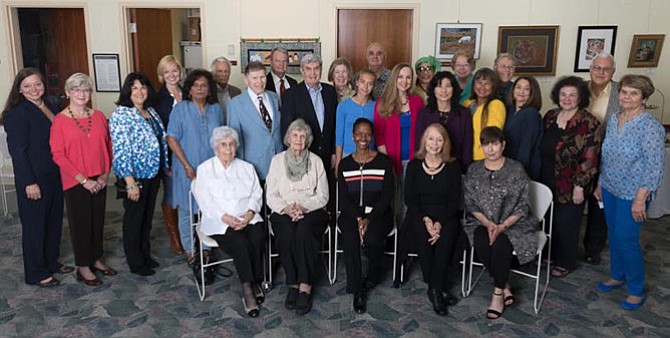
x=225, y=21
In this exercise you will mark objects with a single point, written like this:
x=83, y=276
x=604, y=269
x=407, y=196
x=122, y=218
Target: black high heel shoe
x=495, y=314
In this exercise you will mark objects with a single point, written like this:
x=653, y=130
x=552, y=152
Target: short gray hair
x=298, y=125
x=221, y=133
x=280, y=50
x=78, y=80
x=220, y=59
x=605, y=55
x=502, y=56
x=310, y=58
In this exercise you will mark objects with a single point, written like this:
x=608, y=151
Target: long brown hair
x=390, y=100
x=446, y=147
x=15, y=97
x=486, y=74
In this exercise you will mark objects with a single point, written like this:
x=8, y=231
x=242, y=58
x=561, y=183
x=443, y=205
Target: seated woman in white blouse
x=230, y=198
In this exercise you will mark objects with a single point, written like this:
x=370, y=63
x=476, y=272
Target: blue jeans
x=626, y=261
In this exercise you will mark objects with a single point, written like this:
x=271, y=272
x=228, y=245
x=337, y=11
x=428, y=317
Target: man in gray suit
x=255, y=116
x=225, y=91
x=604, y=104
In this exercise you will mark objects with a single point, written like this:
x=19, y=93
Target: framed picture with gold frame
x=534, y=48
x=645, y=51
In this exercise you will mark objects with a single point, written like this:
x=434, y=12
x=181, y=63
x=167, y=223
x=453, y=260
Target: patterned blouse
x=633, y=157
x=136, y=150
x=577, y=153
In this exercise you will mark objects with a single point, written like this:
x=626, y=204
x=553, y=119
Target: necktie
x=264, y=113
x=282, y=88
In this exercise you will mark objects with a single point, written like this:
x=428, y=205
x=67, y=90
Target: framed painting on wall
x=534, y=48
x=260, y=49
x=451, y=37
x=645, y=51
x=591, y=41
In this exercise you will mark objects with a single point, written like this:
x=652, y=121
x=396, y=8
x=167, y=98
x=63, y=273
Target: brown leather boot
x=172, y=227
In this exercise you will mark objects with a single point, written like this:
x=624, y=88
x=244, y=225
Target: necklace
x=86, y=131
x=432, y=170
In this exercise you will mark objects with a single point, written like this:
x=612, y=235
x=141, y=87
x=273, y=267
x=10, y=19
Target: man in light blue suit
x=255, y=116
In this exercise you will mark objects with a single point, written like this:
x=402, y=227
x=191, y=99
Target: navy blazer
x=28, y=131
x=297, y=103
x=270, y=85
x=257, y=145
x=163, y=105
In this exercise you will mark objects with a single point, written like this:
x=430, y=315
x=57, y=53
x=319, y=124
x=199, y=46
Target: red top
x=387, y=131
x=78, y=153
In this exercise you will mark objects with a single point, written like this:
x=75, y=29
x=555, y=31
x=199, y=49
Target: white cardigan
x=311, y=191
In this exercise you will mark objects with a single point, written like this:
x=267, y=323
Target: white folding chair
x=541, y=202
x=203, y=240
x=6, y=172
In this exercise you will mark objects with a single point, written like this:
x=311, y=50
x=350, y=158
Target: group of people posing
x=388, y=146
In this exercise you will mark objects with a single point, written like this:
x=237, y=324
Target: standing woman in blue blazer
x=27, y=119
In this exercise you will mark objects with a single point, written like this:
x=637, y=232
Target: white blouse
x=231, y=191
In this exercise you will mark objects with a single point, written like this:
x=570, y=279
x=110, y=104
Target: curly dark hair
x=572, y=81
x=193, y=76
x=127, y=89
x=435, y=82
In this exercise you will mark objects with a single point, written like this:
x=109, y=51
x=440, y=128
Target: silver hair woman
x=297, y=193
x=230, y=199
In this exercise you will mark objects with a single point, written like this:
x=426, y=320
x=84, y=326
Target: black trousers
x=565, y=236
x=434, y=259
x=41, y=226
x=137, y=224
x=373, y=247
x=247, y=248
x=596, y=228
x=497, y=258
x=298, y=244
x=86, y=216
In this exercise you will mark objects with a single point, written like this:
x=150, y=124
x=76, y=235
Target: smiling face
x=375, y=55
x=425, y=73
x=505, y=69
x=521, y=92
x=221, y=73
x=311, y=73
x=462, y=68
x=200, y=89
x=362, y=136
x=434, y=141
x=340, y=76
x=256, y=81
x=138, y=94
x=568, y=98
x=79, y=96
x=171, y=74
x=226, y=150
x=365, y=84
x=444, y=90
x=493, y=151
x=631, y=98
x=279, y=63
x=601, y=71
x=483, y=87
x=404, y=81
x=32, y=88
x=297, y=141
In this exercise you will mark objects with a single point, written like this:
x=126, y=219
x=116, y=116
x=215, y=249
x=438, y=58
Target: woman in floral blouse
x=570, y=150
x=140, y=154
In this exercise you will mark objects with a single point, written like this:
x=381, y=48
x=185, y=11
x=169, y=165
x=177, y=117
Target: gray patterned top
x=498, y=195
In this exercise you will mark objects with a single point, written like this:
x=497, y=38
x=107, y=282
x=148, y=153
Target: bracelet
x=131, y=187
x=84, y=181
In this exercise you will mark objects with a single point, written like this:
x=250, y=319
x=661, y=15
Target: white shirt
x=266, y=102
x=277, y=80
x=231, y=191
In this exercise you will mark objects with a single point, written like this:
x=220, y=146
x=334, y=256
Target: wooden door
x=357, y=28
x=152, y=41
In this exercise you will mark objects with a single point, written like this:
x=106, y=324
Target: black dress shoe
x=304, y=303
x=435, y=297
x=360, y=302
x=143, y=271
x=291, y=298
x=90, y=282
x=152, y=263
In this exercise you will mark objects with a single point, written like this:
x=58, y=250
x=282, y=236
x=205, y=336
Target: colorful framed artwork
x=645, y=51
x=534, y=48
x=450, y=37
x=591, y=41
x=260, y=49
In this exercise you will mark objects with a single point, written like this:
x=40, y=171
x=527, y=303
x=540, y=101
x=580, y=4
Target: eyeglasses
x=599, y=69
x=506, y=67
x=425, y=69
x=81, y=90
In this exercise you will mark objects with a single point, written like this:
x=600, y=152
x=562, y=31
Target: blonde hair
x=163, y=63
x=390, y=100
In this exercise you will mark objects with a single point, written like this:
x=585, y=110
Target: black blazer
x=270, y=84
x=297, y=103
x=163, y=102
x=28, y=131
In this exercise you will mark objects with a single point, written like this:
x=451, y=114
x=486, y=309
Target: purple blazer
x=459, y=127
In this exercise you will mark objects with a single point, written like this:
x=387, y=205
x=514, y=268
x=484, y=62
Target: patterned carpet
x=167, y=304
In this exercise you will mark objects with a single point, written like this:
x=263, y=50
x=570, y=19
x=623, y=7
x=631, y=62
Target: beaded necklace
x=87, y=130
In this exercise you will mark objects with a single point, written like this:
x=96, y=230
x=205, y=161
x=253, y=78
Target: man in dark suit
x=315, y=102
x=277, y=80
x=225, y=91
x=255, y=116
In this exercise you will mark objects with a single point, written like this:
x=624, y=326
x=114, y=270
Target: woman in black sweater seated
x=366, y=185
